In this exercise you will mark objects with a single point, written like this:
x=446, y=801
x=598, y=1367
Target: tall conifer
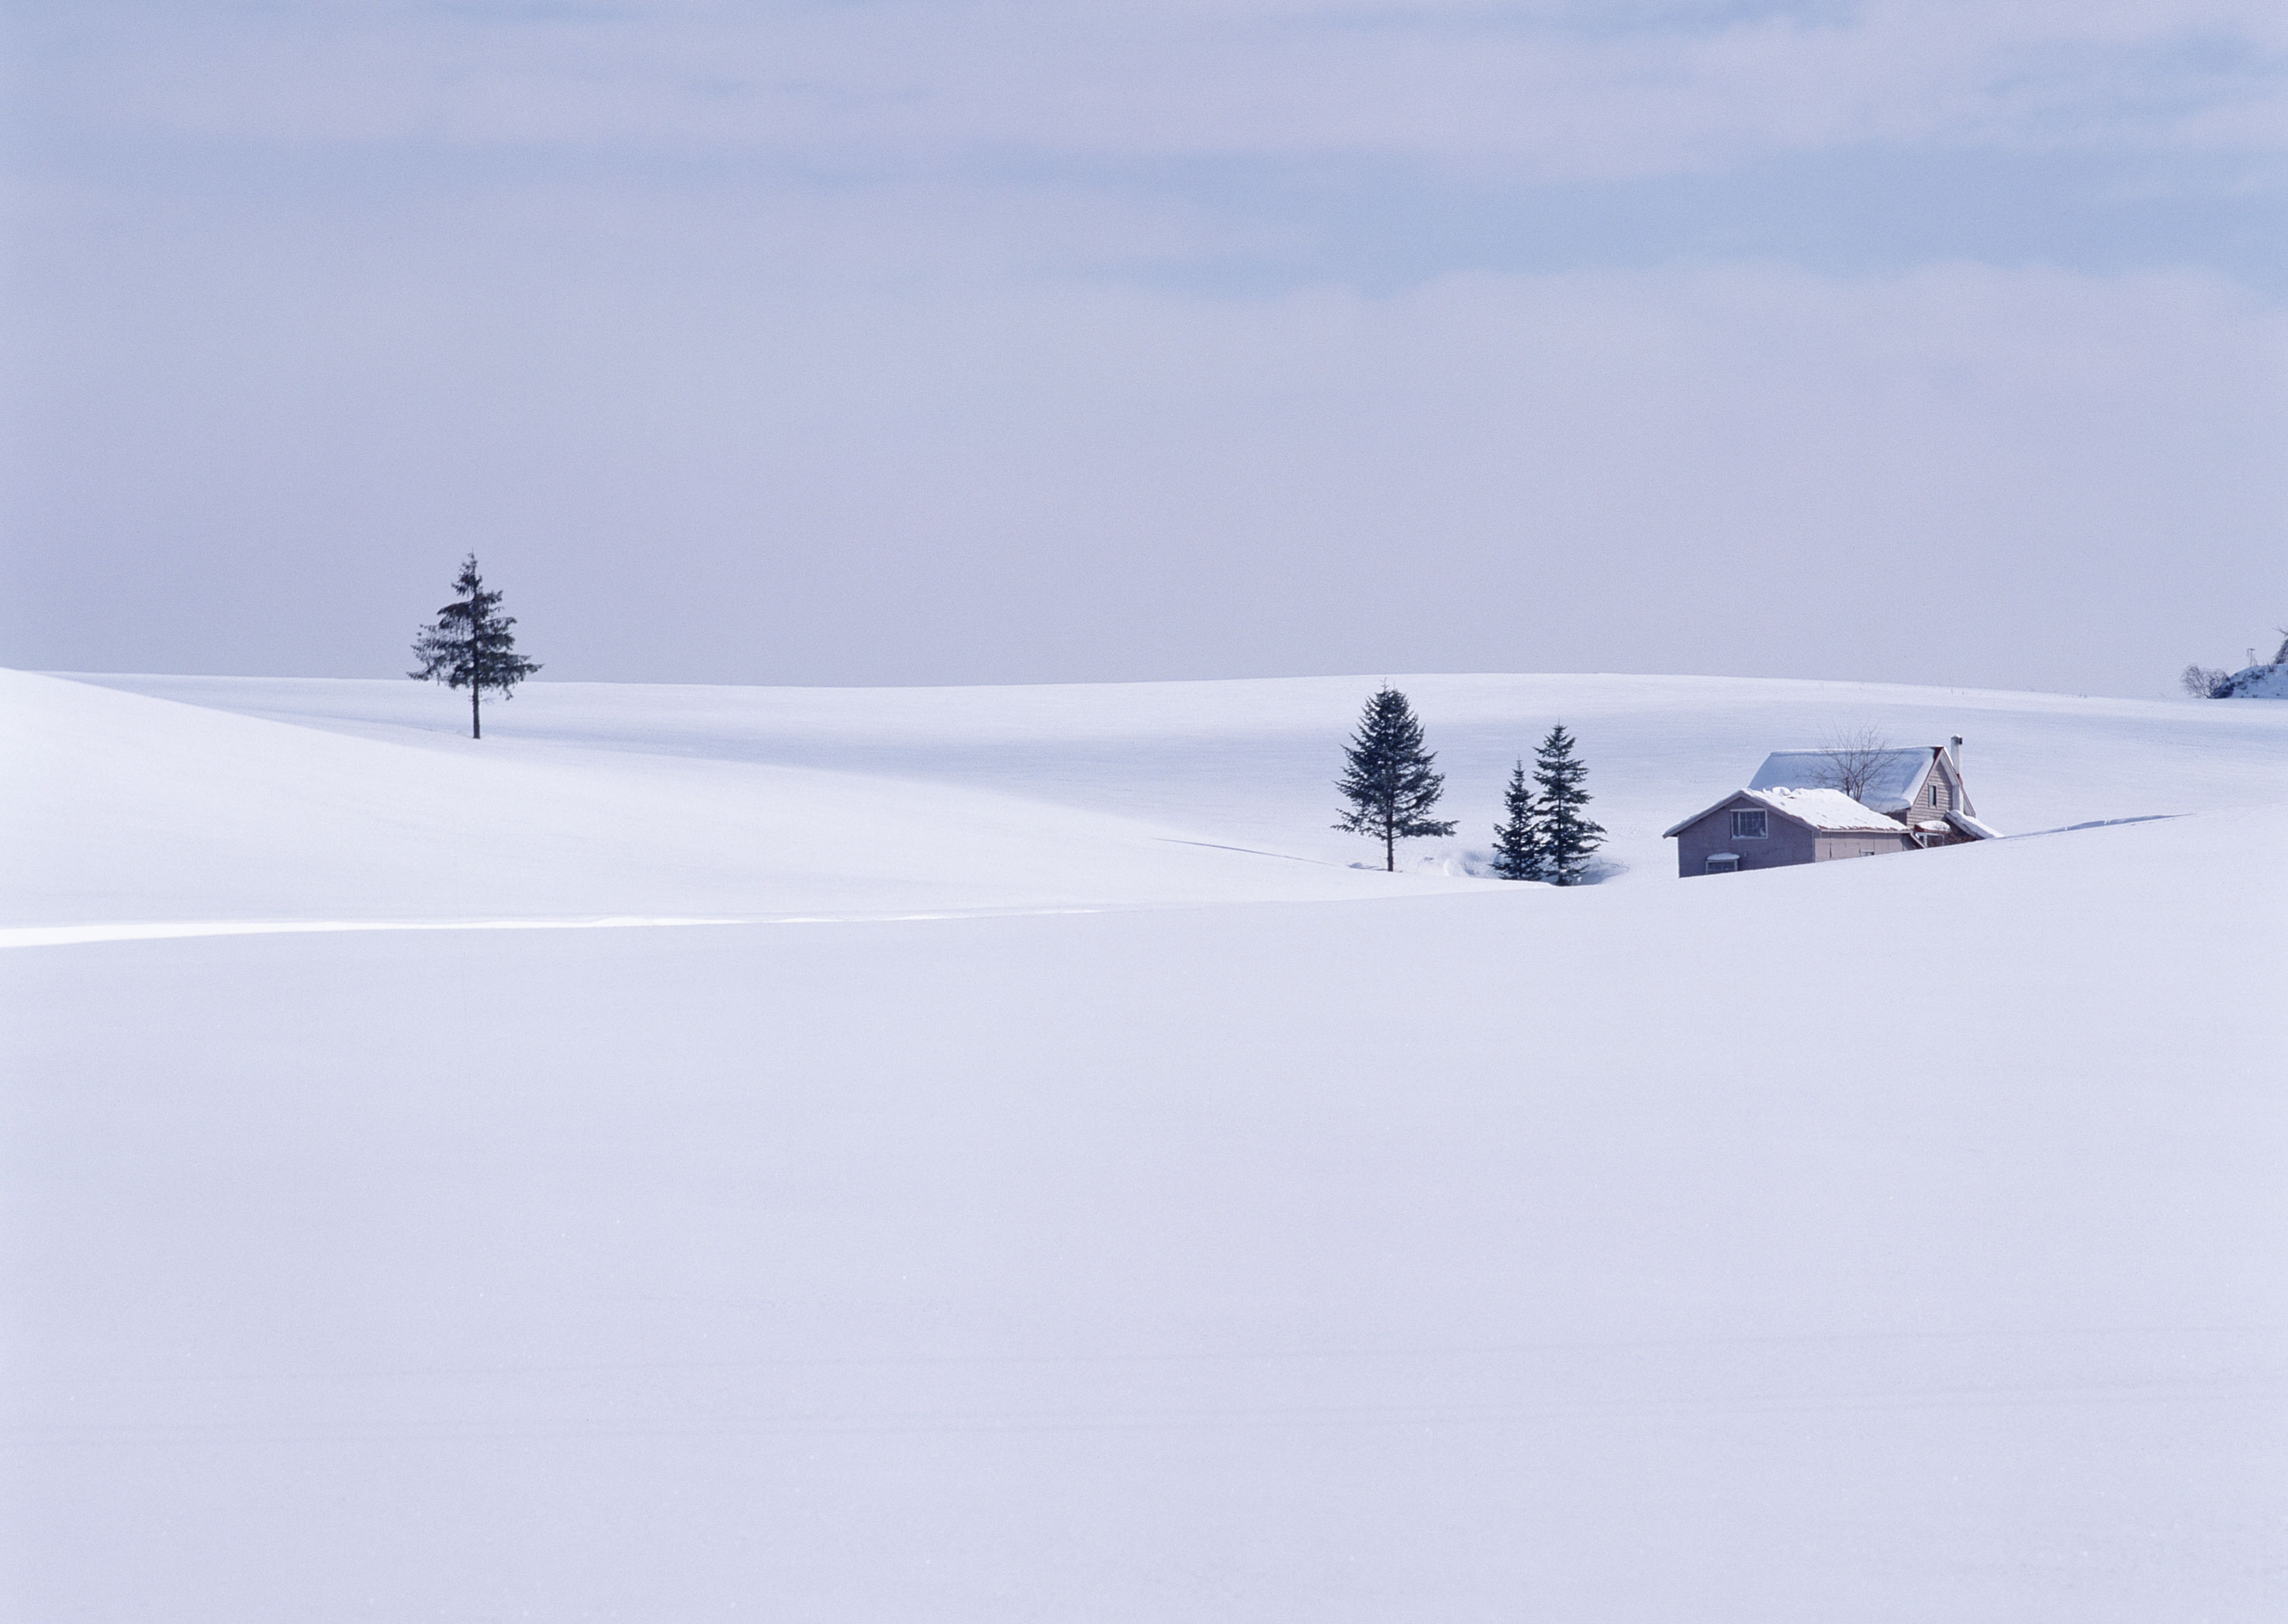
x=1388, y=780
x=471, y=645
x=1563, y=838
x=1517, y=850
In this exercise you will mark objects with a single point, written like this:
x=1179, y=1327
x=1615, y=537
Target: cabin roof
x=1891, y=787
x=1830, y=811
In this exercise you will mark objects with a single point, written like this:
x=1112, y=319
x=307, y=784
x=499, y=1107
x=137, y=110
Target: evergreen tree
x=1517, y=850
x=1387, y=779
x=471, y=645
x=1562, y=837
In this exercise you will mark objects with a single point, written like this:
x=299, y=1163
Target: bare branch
x=1850, y=759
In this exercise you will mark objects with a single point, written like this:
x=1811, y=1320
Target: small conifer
x=1517, y=855
x=1388, y=779
x=1563, y=838
x=471, y=645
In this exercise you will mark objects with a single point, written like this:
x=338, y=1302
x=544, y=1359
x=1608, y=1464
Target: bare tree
x=2207, y=682
x=1849, y=760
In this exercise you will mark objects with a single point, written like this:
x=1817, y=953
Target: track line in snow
x=2099, y=823
x=1284, y=857
x=66, y=936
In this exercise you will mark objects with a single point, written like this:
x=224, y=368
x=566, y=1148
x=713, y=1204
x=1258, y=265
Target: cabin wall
x=1950, y=794
x=1787, y=843
x=1872, y=842
x=1952, y=797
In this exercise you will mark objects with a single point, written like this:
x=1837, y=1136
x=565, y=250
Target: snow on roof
x=1891, y=787
x=1828, y=811
x=1971, y=826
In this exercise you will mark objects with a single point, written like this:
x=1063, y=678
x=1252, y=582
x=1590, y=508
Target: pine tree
x=1387, y=779
x=1562, y=837
x=471, y=645
x=1517, y=850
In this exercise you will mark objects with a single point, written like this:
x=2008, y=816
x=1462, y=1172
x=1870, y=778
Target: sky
x=876, y=342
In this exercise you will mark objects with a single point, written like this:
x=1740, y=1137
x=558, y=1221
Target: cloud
x=1548, y=92
x=894, y=342
x=1958, y=473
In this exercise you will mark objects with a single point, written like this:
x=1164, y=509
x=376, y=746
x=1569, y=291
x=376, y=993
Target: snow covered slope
x=140, y=809
x=2259, y=682
x=1895, y=1241
x=715, y=812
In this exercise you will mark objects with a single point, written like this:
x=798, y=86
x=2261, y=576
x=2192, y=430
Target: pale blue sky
x=1934, y=342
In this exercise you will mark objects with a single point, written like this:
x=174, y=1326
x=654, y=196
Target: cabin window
x=1748, y=826
x=1724, y=862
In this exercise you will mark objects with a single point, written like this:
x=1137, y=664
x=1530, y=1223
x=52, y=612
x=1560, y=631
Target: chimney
x=1954, y=748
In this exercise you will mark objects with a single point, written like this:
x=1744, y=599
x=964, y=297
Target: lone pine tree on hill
x=1562, y=838
x=1387, y=779
x=1517, y=853
x=471, y=645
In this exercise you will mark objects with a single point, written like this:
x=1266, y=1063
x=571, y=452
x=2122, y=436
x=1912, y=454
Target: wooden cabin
x=1796, y=809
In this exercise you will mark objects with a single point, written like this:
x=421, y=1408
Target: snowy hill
x=2258, y=682
x=589, y=799
x=156, y=810
x=1194, y=1227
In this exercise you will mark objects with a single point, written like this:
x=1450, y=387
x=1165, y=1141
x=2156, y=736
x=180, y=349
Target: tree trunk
x=476, y=723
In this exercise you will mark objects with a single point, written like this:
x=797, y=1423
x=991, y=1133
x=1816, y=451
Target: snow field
x=1890, y=1240
x=1244, y=764
x=150, y=810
